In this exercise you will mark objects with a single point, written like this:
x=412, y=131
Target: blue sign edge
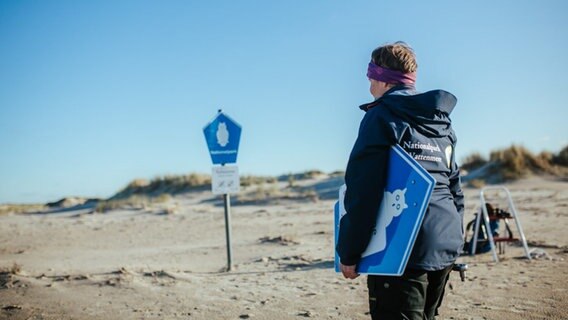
x=431, y=181
x=217, y=116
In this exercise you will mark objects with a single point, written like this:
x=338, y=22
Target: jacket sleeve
x=365, y=178
x=455, y=185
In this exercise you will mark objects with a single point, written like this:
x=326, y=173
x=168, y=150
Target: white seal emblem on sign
x=222, y=134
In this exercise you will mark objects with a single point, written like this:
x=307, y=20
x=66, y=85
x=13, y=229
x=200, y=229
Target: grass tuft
x=168, y=184
x=561, y=158
x=20, y=208
x=513, y=163
x=136, y=202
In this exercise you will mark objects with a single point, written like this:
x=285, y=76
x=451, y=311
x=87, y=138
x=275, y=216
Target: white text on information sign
x=225, y=179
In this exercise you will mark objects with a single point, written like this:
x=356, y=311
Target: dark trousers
x=416, y=295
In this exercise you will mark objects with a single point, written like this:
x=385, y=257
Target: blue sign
x=222, y=135
x=405, y=201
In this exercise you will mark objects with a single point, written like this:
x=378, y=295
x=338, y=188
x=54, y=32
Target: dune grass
x=561, y=158
x=250, y=180
x=21, y=208
x=142, y=193
x=473, y=161
x=517, y=162
x=137, y=202
x=169, y=184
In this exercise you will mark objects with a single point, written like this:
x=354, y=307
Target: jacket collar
x=401, y=87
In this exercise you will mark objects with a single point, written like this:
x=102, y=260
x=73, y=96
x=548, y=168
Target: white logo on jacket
x=449, y=156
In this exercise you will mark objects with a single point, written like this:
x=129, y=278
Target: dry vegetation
x=168, y=184
x=143, y=194
x=502, y=165
x=140, y=193
x=266, y=192
x=249, y=180
x=135, y=202
x=561, y=158
x=20, y=208
x=310, y=174
x=513, y=163
x=473, y=161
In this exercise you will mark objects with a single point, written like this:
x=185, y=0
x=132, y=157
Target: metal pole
x=475, y=232
x=486, y=222
x=518, y=222
x=227, y=202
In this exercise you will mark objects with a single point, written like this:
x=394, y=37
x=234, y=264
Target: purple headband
x=379, y=73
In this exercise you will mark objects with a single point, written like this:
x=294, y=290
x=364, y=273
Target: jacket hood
x=428, y=112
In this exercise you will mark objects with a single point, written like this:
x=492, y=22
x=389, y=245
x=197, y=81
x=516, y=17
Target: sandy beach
x=167, y=261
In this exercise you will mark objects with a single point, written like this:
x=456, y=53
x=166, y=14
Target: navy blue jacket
x=420, y=123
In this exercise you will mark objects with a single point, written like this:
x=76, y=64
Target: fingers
x=349, y=272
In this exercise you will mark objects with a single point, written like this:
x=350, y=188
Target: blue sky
x=96, y=93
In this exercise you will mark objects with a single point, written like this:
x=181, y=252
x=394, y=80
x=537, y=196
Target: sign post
x=223, y=135
x=227, y=206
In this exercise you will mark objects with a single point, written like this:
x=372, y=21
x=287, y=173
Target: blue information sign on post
x=223, y=135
